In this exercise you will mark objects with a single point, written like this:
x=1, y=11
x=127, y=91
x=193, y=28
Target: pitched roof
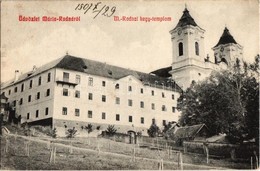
x=30, y=74
x=226, y=38
x=104, y=70
x=221, y=138
x=163, y=72
x=186, y=19
x=188, y=131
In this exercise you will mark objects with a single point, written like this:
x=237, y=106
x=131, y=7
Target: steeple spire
x=186, y=19
x=226, y=38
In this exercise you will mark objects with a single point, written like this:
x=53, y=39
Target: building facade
x=72, y=91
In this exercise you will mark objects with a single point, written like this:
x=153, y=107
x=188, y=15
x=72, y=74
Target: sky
x=138, y=45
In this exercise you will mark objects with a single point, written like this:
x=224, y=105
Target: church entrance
x=132, y=137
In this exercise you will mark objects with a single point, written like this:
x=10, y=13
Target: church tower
x=227, y=49
x=188, y=61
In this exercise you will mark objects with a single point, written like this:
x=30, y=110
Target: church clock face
x=179, y=32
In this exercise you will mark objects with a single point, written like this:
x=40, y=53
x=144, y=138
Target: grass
x=79, y=160
x=147, y=159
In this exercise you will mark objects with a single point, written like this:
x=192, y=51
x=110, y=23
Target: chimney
x=34, y=68
x=16, y=75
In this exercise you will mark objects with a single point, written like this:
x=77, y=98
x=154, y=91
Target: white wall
x=110, y=107
x=31, y=107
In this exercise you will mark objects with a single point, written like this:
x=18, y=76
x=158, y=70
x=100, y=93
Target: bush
x=26, y=129
x=71, y=133
x=53, y=133
x=89, y=128
x=139, y=133
x=98, y=127
x=111, y=130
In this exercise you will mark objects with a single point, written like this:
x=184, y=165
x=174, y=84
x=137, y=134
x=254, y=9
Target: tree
x=111, y=130
x=153, y=131
x=71, y=133
x=227, y=102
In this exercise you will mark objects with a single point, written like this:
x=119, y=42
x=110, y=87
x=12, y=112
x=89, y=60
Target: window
x=103, y=83
x=129, y=88
x=77, y=94
x=78, y=79
x=46, y=111
x=37, y=114
x=142, y=120
x=130, y=102
x=130, y=119
x=29, y=98
x=173, y=109
x=117, y=100
x=48, y=92
x=38, y=96
x=49, y=77
x=90, y=96
x=15, y=89
x=28, y=116
x=164, y=108
x=9, y=92
x=31, y=83
x=66, y=76
x=90, y=81
x=117, y=86
x=172, y=96
x=21, y=101
x=197, y=51
x=65, y=92
x=22, y=87
x=141, y=90
x=117, y=117
x=180, y=49
x=76, y=112
x=40, y=81
x=142, y=104
x=14, y=103
x=103, y=98
x=64, y=111
x=163, y=95
x=152, y=93
x=89, y=114
x=103, y=115
x=153, y=121
x=153, y=106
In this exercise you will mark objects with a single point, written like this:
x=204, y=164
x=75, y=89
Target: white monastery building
x=75, y=91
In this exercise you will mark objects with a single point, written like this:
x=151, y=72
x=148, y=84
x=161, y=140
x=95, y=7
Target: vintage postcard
x=129, y=85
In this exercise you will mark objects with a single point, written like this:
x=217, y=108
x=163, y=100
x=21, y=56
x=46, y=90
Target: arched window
x=180, y=49
x=197, y=50
x=40, y=81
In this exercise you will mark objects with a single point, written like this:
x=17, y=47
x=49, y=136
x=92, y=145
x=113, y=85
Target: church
x=189, y=62
x=75, y=91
